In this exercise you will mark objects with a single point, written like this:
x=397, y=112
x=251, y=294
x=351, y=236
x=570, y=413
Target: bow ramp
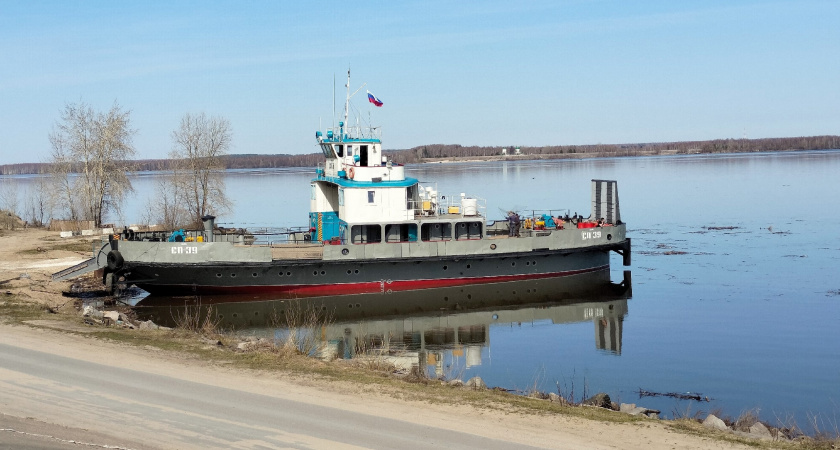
x=99, y=261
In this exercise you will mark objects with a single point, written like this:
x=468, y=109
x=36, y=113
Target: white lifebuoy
x=351, y=173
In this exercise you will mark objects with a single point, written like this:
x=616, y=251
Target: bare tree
x=8, y=204
x=39, y=203
x=97, y=147
x=167, y=207
x=199, y=147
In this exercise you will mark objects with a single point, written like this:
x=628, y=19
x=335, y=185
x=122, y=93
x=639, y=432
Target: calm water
x=736, y=293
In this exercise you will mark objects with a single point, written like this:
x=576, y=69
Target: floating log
x=686, y=396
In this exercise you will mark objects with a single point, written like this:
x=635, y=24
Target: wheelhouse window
x=366, y=234
x=328, y=151
x=436, y=231
x=467, y=230
x=339, y=150
x=403, y=232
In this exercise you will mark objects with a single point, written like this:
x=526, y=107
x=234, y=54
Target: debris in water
x=687, y=396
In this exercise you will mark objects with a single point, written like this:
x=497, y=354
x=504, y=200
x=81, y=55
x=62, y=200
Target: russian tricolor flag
x=372, y=98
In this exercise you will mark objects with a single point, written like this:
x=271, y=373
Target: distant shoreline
x=447, y=153
x=493, y=158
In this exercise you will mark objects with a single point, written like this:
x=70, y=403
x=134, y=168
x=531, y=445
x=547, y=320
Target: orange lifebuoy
x=351, y=173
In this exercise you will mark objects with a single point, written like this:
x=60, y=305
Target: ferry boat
x=372, y=230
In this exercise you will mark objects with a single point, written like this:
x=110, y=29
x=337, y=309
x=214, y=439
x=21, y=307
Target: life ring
x=351, y=173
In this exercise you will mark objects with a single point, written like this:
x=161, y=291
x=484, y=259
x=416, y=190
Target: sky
x=491, y=73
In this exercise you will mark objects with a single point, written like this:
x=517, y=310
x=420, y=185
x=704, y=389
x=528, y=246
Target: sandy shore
x=26, y=420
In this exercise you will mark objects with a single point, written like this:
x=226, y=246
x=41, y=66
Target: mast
x=347, y=102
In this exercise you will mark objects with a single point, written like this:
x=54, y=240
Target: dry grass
x=298, y=329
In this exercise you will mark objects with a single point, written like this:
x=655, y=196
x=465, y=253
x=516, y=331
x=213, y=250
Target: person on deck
x=512, y=219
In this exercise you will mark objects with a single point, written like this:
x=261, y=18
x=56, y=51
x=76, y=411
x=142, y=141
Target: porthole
x=345, y=251
x=256, y=313
x=527, y=263
x=469, y=296
x=446, y=299
x=218, y=275
x=254, y=274
x=288, y=274
x=315, y=272
x=323, y=272
x=350, y=305
x=468, y=266
x=492, y=246
x=280, y=274
x=514, y=292
x=609, y=237
x=233, y=275
x=349, y=271
x=356, y=271
x=445, y=267
x=513, y=263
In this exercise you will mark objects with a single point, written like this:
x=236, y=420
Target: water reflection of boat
x=427, y=340
x=421, y=326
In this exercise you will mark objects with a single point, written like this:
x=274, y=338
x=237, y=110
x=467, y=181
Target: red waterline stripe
x=373, y=287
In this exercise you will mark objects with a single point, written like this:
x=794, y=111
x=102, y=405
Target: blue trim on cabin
x=347, y=139
x=343, y=182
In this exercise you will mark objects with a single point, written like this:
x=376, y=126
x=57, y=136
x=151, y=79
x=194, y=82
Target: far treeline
x=437, y=152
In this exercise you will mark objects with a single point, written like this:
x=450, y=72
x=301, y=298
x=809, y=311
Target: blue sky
x=470, y=73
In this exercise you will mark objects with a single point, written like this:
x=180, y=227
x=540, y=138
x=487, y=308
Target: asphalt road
x=138, y=408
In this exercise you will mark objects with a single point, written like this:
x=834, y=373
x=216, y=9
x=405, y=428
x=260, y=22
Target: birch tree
x=199, y=147
x=91, y=156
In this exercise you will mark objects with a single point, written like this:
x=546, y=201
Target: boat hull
x=256, y=310
x=301, y=279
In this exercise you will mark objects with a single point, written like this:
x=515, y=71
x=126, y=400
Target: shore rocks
x=94, y=316
x=93, y=313
x=601, y=400
x=633, y=410
x=761, y=431
x=712, y=421
x=756, y=431
x=475, y=383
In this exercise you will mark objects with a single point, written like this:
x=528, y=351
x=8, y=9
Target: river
x=736, y=293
